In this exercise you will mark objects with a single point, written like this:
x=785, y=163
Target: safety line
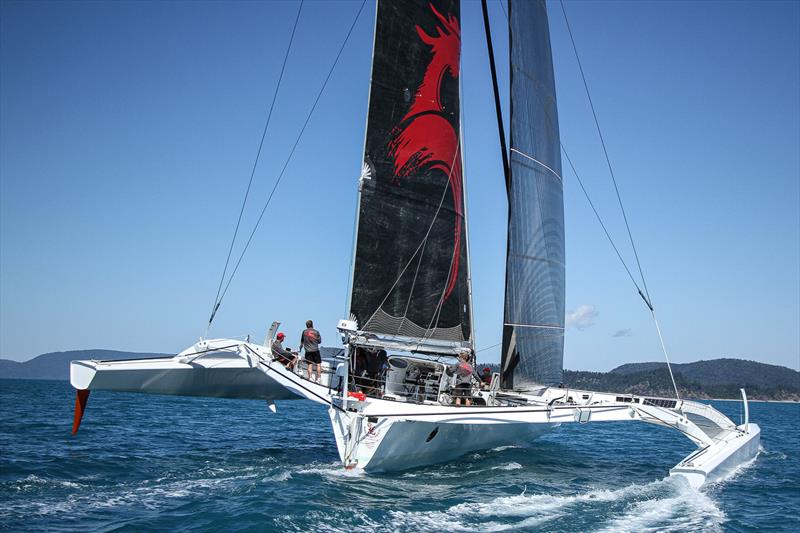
x=255, y=164
x=605, y=150
x=292, y=151
x=646, y=295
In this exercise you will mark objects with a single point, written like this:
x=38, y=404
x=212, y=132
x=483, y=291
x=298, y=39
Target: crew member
x=310, y=340
x=486, y=377
x=463, y=371
x=286, y=357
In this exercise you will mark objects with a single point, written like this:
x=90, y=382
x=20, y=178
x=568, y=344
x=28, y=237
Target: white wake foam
x=667, y=504
x=509, y=466
x=681, y=509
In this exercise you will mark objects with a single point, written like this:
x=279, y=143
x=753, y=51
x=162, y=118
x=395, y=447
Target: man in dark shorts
x=310, y=341
x=463, y=372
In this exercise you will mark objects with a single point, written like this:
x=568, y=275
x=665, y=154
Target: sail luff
x=363, y=175
x=471, y=338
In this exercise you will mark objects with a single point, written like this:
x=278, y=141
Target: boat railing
x=426, y=388
x=373, y=387
x=415, y=391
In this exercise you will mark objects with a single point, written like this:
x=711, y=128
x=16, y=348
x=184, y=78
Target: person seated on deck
x=383, y=363
x=486, y=377
x=286, y=357
x=463, y=372
x=373, y=371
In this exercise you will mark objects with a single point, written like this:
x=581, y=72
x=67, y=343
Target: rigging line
x=503, y=8
x=255, y=163
x=585, y=192
x=291, y=152
x=413, y=285
x=421, y=244
x=437, y=312
x=425, y=238
x=646, y=295
x=664, y=348
x=599, y=219
x=605, y=151
x=498, y=109
x=488, y=347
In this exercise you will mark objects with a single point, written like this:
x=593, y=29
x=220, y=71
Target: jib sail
x=410, y=273
x=533, y=331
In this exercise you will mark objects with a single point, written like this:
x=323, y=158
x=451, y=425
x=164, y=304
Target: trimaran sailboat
x=410, y=298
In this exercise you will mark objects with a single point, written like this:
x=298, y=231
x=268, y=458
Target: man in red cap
x=286, y=357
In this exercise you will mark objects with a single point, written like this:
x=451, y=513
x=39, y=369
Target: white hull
x=393, y=445
x=714, y=463
x=382, y=435
x=217, y=368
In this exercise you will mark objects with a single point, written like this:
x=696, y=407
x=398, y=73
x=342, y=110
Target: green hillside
x=717, y=378
x=55, y=365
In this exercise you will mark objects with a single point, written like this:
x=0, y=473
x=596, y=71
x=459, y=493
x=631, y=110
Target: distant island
x=55, y=365
x=701, y=380
x=712, y=379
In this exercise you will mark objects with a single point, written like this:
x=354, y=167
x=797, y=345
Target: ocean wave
x=63, y=497
x=34, y=481
x=286, y=475
x=772, y=455
x=508, y=466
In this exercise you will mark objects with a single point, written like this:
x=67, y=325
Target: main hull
x=407, y=430
x=394, y=445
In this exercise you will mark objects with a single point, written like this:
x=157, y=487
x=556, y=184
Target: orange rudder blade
x=81, y=397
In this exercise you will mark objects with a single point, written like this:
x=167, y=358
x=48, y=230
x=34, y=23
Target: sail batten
x=410, y=266
x=533, y=330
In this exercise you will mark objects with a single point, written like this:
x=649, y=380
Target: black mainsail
x=410, y=272
x=533, y=330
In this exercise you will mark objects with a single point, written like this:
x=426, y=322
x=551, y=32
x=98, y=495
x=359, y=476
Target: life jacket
x=464, y=370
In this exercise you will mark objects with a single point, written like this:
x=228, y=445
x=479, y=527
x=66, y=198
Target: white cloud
x=622, y=333
x=582, y=317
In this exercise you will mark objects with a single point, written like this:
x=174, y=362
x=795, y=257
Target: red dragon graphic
x=425, y=137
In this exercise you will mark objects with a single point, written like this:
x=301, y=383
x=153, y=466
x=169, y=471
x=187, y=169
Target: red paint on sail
x=425, y=137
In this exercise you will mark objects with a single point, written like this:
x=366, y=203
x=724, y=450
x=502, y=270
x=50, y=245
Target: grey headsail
x=533, y=331
x=410, y=274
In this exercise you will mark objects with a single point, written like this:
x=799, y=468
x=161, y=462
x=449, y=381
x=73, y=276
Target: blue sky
x=128, y=129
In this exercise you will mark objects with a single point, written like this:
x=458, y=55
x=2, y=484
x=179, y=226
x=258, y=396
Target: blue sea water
x=186, y=464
